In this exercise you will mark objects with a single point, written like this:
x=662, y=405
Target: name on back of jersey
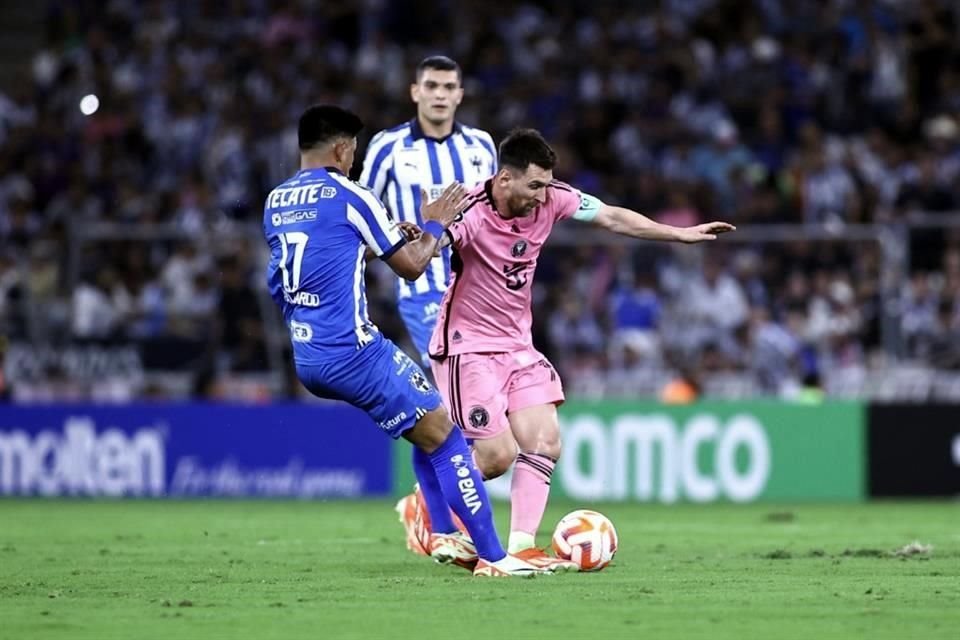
x=302, y=298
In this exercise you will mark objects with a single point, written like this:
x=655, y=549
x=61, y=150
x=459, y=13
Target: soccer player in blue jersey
x=318, y=225
x=423, y=154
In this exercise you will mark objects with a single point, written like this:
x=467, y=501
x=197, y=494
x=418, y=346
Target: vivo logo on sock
x=468, y=490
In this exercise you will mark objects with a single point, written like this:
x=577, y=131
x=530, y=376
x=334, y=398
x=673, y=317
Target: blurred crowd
x=823, y=113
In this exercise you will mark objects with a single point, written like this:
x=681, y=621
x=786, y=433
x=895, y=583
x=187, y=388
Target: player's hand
x=409, y=231
x=703, y=232
x=445, y=208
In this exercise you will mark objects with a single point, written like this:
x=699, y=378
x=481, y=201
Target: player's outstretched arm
x=636, y=225
x=408, y=230
x=412, y=258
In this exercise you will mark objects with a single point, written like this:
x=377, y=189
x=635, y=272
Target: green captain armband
x=588, y=209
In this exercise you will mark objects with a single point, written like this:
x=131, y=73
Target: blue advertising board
x=291, y=451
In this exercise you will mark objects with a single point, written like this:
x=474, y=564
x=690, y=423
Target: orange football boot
x=407, y=508
x=507, y=567
x=540, y=558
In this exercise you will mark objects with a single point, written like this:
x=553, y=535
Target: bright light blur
x=89, y=104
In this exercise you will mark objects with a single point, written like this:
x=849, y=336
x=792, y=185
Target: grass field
x=338, y=570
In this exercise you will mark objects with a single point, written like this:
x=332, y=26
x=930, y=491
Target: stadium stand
x=137, y=144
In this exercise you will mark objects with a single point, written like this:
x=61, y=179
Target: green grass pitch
x=230, y=569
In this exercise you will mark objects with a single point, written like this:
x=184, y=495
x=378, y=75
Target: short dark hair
x=440, y=63
x=523, y=147
x=321, y=123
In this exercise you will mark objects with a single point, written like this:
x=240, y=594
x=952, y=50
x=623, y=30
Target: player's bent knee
x=430, y=431
x=494, y=461
x=545, y=443
x=551, y=446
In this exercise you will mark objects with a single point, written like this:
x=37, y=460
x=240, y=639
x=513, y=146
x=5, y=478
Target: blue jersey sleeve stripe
x=379, y=226
x=373, y=234
x=434, y=162
x=370, y=217
x=455, y=159
x=357, y=194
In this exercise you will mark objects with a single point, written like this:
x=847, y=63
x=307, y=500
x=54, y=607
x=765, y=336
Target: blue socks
x=440, y=519
x=462, y=487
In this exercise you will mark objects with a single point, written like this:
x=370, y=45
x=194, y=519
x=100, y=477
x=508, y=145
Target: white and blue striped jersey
x=318, y=225
x=402, y=160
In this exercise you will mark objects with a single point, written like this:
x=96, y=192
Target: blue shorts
x=380, y=379
x=419, y=314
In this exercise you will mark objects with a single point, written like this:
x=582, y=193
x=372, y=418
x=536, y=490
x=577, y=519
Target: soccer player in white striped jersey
x=427, y=152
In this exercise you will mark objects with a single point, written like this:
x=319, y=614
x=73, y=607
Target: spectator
x=827, y=113
x=95, y=313
x=635, y=313
x=716, y=305
x=241, y=327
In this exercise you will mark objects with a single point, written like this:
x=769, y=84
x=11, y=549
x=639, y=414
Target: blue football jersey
x=318, y=225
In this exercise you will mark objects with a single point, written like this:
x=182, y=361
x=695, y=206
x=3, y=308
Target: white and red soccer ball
x=586, y=537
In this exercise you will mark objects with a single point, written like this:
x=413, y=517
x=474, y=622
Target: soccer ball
x=586, y=537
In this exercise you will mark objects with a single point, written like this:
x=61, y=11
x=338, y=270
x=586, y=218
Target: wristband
x=434, y=228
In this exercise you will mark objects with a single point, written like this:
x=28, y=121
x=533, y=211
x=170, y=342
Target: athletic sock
x=463, y=490
x=440, y=519
x=529, y=491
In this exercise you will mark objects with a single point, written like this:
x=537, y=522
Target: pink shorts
x=480, y=389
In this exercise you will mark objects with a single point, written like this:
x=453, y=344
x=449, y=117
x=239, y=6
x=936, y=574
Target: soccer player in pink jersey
x=498, y=387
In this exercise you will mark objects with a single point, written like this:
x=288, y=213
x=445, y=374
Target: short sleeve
x=564, y=200
x=370, y=217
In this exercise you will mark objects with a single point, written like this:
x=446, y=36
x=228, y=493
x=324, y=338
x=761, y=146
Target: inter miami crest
x=519, y=248
x=479, y=418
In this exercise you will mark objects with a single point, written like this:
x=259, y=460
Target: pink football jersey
x=487, y=305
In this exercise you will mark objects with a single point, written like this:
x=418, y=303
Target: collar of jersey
x=311, y=170
x=416, y=131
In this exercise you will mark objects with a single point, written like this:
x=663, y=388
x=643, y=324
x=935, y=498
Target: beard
x=519, y=208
